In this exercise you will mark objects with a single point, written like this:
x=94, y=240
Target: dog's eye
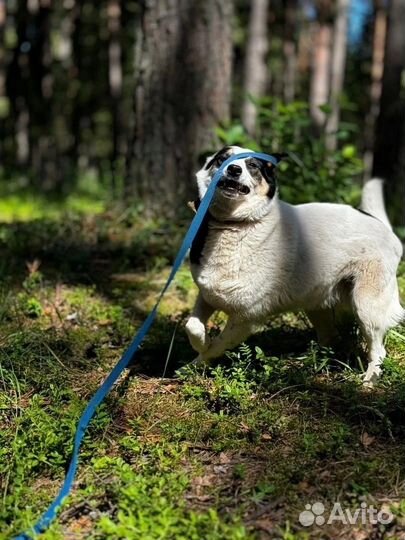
x=220, y=160
x=253, y=166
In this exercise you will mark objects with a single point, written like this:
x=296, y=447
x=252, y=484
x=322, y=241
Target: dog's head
x=247, y=187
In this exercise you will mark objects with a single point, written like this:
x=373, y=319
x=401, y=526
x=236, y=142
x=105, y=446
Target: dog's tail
x=372, y=200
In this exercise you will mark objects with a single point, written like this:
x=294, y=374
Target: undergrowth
x=232, y=453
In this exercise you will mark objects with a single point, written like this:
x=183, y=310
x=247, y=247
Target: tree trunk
x=17, y=81
x=4, y=104
x=320, y=77
x=398, y=186
x=377, y=68
x=115, y=82
x=338, y=71
x=182, y=91
x=290, y=49
x=44, y=158
x=3, y=14
x=256, y=76
x=390, y=136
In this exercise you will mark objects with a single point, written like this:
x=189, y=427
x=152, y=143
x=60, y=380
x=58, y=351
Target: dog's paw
x=197, y=334
x=371, y=376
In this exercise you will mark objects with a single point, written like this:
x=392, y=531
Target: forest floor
x=234, y=453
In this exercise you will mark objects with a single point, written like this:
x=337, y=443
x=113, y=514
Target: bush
x=313, y=173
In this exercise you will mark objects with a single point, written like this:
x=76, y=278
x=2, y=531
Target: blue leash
x=45, y=520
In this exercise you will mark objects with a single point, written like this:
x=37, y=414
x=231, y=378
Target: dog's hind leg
x=196, y=325
x=323, y=321
x=234, y=333
x=376, y=353
x=376, y=304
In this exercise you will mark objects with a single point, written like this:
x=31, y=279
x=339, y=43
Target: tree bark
x=4, y=103
x=3, y=14
x=320, y=76
x=390, y=136
x=256, y=76
x=338, y=71
x=290, y=49
x=182, y=91
x=377, y=68
x=17, y=82
x=115, y=83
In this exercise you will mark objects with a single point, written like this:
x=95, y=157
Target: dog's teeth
x=229, y=184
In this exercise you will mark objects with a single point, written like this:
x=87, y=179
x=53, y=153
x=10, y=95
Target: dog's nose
x=234, y=170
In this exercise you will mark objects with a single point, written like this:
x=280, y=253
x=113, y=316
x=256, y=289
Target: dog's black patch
x=259, y=169
x=268, y=171
x=219, y=157
x=199, y=241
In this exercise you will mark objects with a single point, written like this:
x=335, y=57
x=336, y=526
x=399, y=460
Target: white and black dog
x=256, y=256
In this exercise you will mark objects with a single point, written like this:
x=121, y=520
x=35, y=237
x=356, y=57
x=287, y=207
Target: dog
x=256, y=256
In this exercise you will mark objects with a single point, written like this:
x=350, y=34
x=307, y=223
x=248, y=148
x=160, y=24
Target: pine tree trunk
x=182, y=91
x=338, y=70
x=377, y=68
x=290, y=49
x=115, y=83
x=390, y=132
x=3, y=99
x=16, y=85
x=44, y=156
x=3, y=15
x=256, y=76
x=320, y=69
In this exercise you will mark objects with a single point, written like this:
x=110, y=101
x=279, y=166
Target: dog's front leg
x=196, y=325
x=234, y=333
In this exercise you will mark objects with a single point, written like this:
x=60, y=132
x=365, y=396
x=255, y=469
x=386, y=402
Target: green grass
x=233, y=453
x=19, y=204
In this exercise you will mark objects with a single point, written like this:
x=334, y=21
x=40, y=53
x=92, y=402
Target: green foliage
x=150, y=504
x=312, y=173
x=195, y=458
x=33, y=307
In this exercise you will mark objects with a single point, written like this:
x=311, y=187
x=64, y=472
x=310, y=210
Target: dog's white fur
x=263, y=256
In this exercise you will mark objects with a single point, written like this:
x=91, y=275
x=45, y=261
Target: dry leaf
x=266, y=437
x=33, y=266
x=360, y=534
x=206, y=480
x=224, y=458
x=366, y=439
x=265, y=525
x=104, y=322
x=220, y=469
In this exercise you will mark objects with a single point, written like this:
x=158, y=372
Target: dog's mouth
x=232, y=188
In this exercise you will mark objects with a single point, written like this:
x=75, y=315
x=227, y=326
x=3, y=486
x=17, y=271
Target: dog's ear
x=280, y=156
x=203, y=157
x=223, y=153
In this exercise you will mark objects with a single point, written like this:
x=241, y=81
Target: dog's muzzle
x=232, y=188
